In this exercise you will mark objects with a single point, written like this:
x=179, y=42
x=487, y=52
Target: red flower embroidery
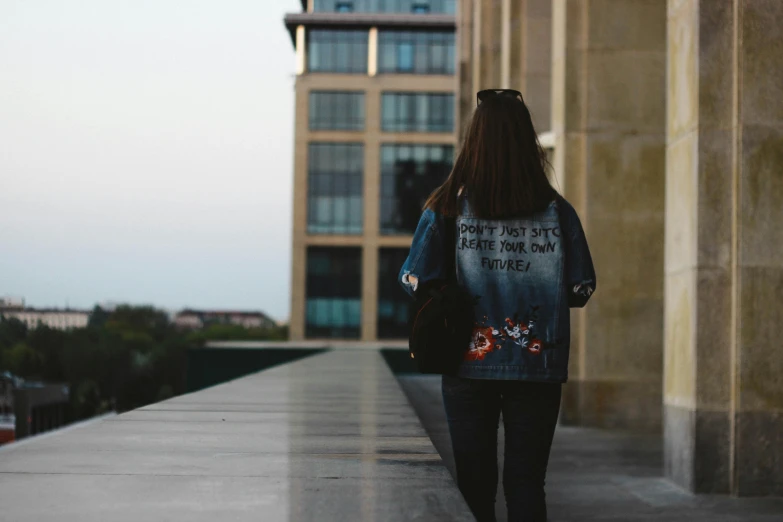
x=535, y=346
x=481, y=344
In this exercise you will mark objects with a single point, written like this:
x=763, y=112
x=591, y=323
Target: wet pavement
x=329, y=437
x=597, y=475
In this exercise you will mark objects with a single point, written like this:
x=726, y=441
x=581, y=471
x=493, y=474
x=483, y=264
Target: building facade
x=667, y=125
x=56, y=318
x=374, y=135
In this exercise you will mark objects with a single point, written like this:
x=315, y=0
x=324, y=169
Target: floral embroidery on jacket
x=535, y=346
x=482, y=342
x=517, y=332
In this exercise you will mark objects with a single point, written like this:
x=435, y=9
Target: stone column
x=372, y=198
x=466, y=97
x=723, y=392
x=608, y=95
x=296, y=324
x=482, y=28
x=506, y=44
x=490, y=43
x=531, y=57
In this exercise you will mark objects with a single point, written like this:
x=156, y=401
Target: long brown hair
x=501, y=166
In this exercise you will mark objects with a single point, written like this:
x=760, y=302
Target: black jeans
x=530, y=411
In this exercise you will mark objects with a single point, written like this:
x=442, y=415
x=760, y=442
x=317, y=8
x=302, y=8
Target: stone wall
x=724, y=260
x=668, y=126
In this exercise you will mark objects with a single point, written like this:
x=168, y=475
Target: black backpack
x=441, y=318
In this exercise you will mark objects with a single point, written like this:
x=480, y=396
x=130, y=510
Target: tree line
x=124, y=359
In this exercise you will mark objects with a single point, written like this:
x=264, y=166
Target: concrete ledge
x=329, y=437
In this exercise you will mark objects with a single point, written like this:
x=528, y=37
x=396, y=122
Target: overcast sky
x=146, y=151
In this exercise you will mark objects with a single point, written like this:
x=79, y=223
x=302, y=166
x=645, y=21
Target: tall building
x=374, y=135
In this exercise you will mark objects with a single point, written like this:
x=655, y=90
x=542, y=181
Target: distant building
x=195, y=319
x=59, y=319
x=188, y=320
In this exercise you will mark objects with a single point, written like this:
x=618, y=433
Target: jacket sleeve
x=425, y=259
x=579, y=271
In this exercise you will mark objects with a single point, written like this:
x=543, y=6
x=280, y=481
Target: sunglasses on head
x=489, y=93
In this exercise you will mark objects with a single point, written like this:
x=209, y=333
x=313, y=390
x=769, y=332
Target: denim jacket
x=524, y=274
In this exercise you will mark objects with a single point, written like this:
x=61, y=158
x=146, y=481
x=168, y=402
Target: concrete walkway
x=602, y=476
x=327, y=438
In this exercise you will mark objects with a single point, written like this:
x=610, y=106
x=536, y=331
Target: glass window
x=386, y=6
x=332, y=110
x=415, y=52
x=393, y=302
x=334, y=188
x=334, y=286
x=417, y=112
x=340, y=51
x=405, y=57
x=409, y=174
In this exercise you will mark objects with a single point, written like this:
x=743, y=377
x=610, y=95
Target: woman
x=522, y=253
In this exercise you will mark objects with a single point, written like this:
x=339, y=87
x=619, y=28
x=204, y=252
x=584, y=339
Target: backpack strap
x=450, y=247
x=450, y=241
